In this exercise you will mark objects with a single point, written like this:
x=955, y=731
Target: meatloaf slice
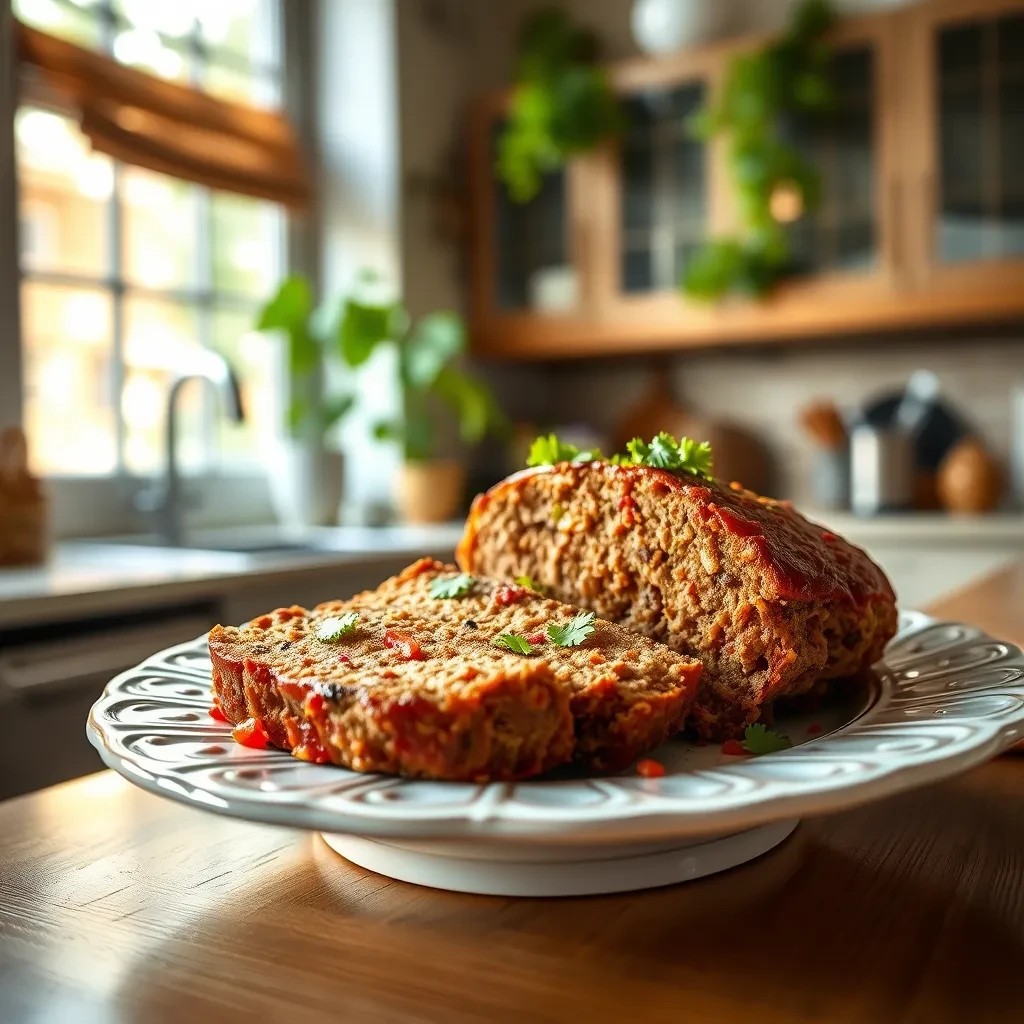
x=419, y=688
x=626, y=693
x=771, y=603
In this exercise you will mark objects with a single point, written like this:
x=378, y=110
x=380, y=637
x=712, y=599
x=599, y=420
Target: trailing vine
x=562, y=103
x=764, y=93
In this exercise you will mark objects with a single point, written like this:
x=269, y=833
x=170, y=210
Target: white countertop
x=926, y=527
x=84, y=577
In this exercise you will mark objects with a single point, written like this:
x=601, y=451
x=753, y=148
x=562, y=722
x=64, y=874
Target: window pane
x=160, y=224
x=173, y=19
x=80, y=24
x=247, y=28
x=160, y=342
x=242, y=85
x=258, y=361
x=664, y=204
x=69, y=406
x=144, y=49
x=246, y=243
x=64, y=191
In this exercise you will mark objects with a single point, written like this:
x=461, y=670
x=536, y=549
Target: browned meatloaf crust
x=420, y=689
x=770, y=602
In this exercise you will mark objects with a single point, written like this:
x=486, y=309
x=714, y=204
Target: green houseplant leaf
x=562, y=103
x=309, y=412
x=289, y=310
x=765, y=93
x=362, y=328
x=435, y=340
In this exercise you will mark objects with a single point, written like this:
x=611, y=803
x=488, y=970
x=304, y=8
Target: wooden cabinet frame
x=907, y=289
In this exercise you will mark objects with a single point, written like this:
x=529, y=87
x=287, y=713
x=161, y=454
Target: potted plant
x=307, y=474
x=430, y=486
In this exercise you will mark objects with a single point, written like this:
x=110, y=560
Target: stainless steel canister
x=881, y=469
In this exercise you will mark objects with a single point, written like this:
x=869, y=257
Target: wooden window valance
x=144, y=120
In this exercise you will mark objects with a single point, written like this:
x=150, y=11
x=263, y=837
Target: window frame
x=104, y=503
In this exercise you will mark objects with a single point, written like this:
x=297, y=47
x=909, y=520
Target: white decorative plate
x=947, y=697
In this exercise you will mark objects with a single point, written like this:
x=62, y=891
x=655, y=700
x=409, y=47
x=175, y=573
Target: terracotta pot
x=969, y=479
x=430, y=491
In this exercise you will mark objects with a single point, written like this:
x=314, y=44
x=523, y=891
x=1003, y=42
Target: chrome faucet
x=165, y=503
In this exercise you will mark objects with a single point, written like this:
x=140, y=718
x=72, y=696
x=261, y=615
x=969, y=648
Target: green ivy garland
x=562, y=103
x=787, y=80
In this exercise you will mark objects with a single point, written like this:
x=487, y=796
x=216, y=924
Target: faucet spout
x=166, y=503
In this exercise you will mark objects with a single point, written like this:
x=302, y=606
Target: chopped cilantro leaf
x=337, y=626
x=531, y=584
x=452, y=586
x=573, y=634
x=759, y=740
x=514, y=643
x=547, y=450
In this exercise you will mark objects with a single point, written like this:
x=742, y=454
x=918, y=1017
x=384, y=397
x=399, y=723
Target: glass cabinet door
x=979, y=111
x=663, y=216
x=532, y=259
x=842, y=233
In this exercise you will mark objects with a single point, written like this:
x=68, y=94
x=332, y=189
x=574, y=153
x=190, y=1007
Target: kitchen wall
x=765, y=389
x=449, y=52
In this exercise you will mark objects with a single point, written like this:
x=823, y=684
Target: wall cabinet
x=921, y=223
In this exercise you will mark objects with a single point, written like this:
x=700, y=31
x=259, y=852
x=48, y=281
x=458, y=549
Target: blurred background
x=285, y=282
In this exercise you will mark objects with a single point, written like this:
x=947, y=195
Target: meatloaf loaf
x=771, y=603
x=417, y=686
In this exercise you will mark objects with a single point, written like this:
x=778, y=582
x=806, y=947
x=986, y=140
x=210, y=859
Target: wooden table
x=117, y=905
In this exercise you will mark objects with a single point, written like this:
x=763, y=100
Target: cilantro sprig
x=759, y=740
x=549, y=450
x=663, y=451
x=451, y=586
x=515, y=643
x=574, y=632
x=337, y=626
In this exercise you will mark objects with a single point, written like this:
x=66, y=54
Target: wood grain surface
x=119, y=906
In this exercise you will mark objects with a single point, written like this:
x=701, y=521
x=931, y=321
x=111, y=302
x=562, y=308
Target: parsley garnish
x=337, y=626
x=514, y=643
x=759, y=740
x=665, y=452
x=557, y=511
x=452, y=586
x=531, y=584
x=572, y=635
x=547, y=450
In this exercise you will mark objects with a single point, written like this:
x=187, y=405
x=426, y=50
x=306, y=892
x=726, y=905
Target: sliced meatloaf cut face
x=418, y=687
x=369, y=704
x=771, y=603
x=626, y=693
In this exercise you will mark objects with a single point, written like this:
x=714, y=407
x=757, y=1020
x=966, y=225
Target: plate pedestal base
x=530, y=870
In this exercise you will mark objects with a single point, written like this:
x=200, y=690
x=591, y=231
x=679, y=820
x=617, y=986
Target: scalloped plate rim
x=641, y=814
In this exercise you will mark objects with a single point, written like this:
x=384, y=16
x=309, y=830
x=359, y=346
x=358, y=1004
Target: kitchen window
x=125, y=273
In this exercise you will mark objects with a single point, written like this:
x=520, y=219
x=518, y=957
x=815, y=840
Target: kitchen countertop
x=928, y=527
x=115, y=904
x=91, y=576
